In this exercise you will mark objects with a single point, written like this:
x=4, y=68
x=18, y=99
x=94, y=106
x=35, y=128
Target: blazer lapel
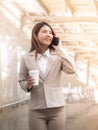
x=51, y=62
x=36, y=65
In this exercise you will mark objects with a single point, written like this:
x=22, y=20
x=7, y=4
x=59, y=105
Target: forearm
x=68, y=59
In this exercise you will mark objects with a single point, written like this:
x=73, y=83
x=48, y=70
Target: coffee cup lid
x=34, y=71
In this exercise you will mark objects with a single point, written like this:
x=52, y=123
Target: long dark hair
x=35, y=44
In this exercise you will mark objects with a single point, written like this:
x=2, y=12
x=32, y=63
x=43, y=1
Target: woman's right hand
x=30, y=82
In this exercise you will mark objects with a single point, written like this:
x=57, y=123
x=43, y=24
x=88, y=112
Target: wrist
x=29, y=89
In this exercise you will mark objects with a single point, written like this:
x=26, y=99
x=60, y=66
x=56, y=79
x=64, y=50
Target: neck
x=44, y=49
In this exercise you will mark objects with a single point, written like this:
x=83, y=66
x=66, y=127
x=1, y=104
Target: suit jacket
x=49, y=92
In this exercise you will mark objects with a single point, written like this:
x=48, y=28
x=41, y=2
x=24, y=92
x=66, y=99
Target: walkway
x=16, y=119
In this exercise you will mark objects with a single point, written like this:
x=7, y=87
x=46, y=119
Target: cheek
x=38, y=37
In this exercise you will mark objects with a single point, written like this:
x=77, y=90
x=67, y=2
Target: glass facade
x=13, y=43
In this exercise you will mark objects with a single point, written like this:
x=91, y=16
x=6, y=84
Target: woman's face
x=45, y=36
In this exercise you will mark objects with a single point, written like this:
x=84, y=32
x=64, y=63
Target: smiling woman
x=47, y=103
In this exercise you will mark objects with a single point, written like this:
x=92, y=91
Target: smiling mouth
x=48, y=40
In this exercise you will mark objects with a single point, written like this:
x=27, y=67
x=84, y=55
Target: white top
x=43, y=60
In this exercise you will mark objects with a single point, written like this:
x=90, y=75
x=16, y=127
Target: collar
x=45, y=54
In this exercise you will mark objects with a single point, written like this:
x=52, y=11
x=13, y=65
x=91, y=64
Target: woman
x=47, y=106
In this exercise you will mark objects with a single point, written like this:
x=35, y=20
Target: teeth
x=48, y=40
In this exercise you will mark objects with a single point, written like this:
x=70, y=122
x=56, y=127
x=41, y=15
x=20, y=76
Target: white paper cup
x=35, y=75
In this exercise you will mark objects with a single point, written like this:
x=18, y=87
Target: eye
x=44, y=31
x=50, y=32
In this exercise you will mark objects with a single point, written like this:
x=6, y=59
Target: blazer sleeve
x=23, y=74
x=68, y=65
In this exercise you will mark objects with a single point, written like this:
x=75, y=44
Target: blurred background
x=74, y=21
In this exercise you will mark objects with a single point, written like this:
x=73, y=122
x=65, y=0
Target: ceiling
x=74, y=21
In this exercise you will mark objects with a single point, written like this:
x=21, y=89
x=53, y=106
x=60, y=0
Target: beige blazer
x=49, y=92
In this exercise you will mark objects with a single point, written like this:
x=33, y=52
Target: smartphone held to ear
x=55, y=41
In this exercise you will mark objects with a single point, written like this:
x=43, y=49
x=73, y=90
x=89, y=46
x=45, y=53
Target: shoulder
x=24, y=56
x=27, y=54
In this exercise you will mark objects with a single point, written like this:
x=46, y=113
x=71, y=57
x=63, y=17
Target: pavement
x=15, y=118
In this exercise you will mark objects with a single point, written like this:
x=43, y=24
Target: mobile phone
x=55, y=41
